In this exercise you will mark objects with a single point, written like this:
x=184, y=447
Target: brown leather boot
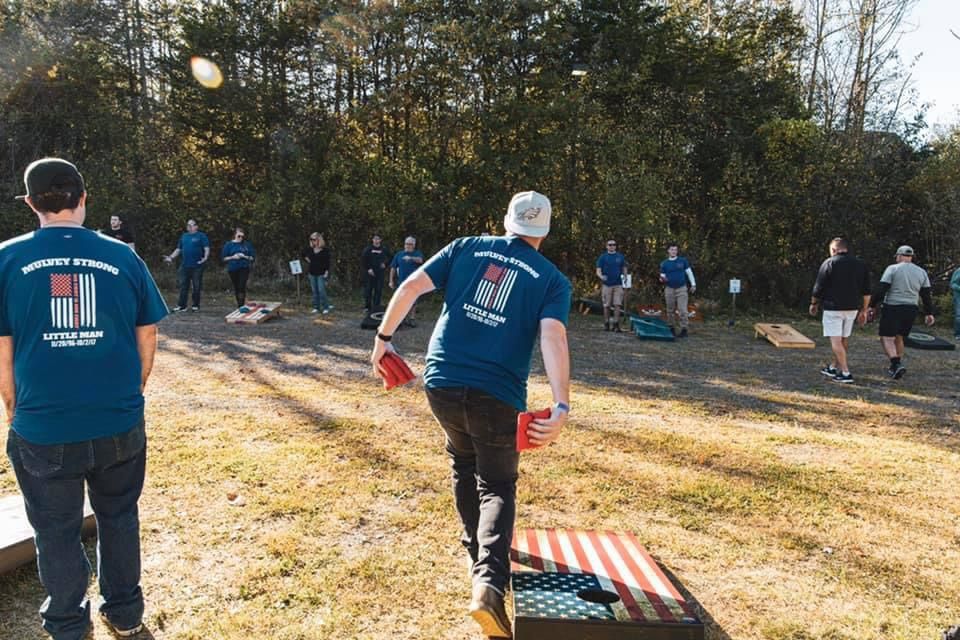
x=487, y=609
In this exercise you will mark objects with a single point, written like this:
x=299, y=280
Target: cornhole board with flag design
x=783, y=336
x=254, y=313
x=569, y=585
x=16, y=534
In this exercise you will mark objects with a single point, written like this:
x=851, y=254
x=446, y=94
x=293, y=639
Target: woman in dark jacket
x=317, y=257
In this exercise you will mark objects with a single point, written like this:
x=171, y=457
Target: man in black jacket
x=843, y=290
x=374, y=262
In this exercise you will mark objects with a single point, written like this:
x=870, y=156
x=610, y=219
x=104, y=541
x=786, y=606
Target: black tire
x=927, y=342
x=372, y=321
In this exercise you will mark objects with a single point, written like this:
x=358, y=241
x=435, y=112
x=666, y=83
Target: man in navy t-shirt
x=674, y=273
x=195, y=248
x=499, y=292
x=402, y=266
x=611, y=267
x=78, y=314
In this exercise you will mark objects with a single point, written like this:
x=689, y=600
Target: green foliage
x=423, y=117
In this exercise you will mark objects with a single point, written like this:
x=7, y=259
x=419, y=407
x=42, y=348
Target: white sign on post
x=626, y=280
x=295, y=267
x=734, y=286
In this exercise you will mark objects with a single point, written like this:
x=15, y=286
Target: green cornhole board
x=651, y=329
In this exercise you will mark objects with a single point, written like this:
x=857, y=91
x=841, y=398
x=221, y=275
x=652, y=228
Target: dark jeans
x=481, y=443
x=51, y=479
x=190, y=276
x=372, y=291
x=239, y=279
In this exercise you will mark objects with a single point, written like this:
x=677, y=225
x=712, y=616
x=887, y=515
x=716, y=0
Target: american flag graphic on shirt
x=495, y=287
x=73, y=300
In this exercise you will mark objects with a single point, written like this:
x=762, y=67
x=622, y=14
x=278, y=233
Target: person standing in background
x=374, y=261
x=120, y=231
x=404, y=263
x=317, y=257
x=611, y=267
x=239, y=256
x=195, y=247
x=674, y=273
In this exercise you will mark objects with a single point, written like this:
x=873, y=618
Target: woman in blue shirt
x=238, y=254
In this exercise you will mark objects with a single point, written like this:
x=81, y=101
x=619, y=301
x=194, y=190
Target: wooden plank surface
x=254, y=313
x=16, y=534
x=783, y=336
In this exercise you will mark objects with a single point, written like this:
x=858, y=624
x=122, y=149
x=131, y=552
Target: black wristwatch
x=384, y=338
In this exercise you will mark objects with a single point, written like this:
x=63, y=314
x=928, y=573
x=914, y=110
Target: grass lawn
x=289, y=497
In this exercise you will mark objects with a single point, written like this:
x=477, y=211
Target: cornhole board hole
x=571, y=585
x=927, y=342
x=16, y=535
x=783, y=336
x=651, y=329
x=587, y=306
x=657, y=311
x=254, y=313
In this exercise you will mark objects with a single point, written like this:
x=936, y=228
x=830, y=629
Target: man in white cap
x=499, y=292
x=900, y=285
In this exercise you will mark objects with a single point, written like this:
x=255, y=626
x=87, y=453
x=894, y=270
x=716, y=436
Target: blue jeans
x=956, y=314
x=318, y=284
x=186, y=277
x=51, y=479
x=481, y=443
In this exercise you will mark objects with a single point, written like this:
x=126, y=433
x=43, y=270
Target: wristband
x=384, y=338
x=562, y=406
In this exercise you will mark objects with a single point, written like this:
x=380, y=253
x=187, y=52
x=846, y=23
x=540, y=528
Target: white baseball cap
x=905, y=250
x=528, y=215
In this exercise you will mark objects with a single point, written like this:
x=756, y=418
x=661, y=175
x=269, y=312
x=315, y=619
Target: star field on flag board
x=602, y=585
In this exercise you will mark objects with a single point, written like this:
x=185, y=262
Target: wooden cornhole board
x=16, y=534
x=783, y=336
x=587, y=306
x=657, y=311
x=256, y=312
x=571, y=585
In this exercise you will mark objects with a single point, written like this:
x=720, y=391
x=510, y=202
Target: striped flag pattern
x=494, y=288
x=619, y=563
x=73, y=300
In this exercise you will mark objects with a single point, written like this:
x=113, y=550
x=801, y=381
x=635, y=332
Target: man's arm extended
x=147, y=348
x=8, y=390
x=410, y=289
x=556, y=360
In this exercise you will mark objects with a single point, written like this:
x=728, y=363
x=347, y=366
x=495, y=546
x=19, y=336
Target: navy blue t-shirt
x=611, y=266
x=71, y=299
x=191, y=247
x=496, y=291
x=404, y=263
x=676, y=272
x=232, y=248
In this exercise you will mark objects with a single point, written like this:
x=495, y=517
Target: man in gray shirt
x=900, y=285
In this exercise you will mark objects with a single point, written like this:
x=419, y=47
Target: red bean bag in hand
x=523, y=421
x=394, y=370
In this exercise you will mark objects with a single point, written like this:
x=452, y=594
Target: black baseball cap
x=52, y=175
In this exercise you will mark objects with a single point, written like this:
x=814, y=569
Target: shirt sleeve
x=438, y=267
x=152, y=308
x=204, y=240
x=557, y=303
x=821, y=282
x=225, y=252
x=600, y=262
x=887, y=275
x=250, y=251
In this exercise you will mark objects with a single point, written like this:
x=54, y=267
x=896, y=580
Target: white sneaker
x=123, y=633
x=315, y=311
x=326, y=311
